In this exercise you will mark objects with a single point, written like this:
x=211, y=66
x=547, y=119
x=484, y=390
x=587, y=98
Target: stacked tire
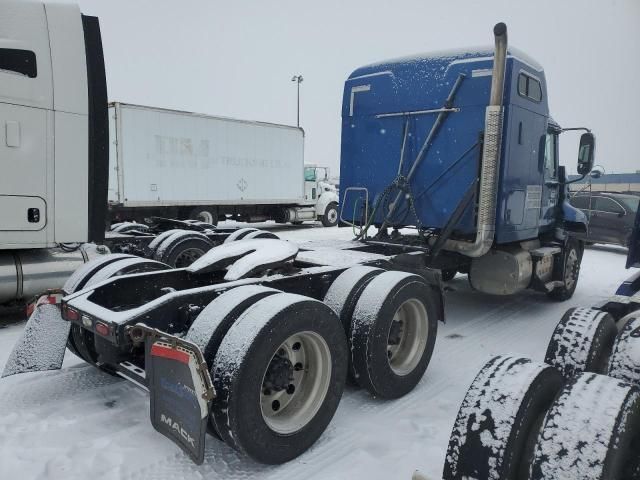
x=575, y=416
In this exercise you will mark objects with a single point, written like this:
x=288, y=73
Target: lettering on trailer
x=176, y=426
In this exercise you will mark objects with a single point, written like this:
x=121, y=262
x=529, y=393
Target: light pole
x=298, y=79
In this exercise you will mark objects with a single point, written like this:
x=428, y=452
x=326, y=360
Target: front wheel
x=570, y=272
x=330, y=217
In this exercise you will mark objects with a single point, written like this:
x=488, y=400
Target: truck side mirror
x=586, y=153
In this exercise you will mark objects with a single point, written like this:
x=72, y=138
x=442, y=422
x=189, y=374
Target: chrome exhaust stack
x=490, y=171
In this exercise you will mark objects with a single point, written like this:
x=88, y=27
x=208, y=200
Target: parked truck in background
x=253, y=341
x=190, y=166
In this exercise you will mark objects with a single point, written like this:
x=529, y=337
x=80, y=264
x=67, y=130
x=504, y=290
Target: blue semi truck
x=254, y=340
x=463, y=149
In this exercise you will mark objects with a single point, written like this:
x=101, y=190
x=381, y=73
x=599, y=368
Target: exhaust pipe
x=488, y=198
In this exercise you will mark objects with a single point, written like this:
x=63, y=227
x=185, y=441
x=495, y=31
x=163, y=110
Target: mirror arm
x=562, y=130
x=567, y=182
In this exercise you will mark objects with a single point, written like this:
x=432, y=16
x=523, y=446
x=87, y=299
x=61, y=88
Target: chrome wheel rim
x=407, y=337
x=188, y=256
x=332, y=215
x=295, y=383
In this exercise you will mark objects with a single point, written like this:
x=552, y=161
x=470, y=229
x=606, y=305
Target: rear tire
x=574, y=444
x=625, y=359
x=211, y=325
x=182, y=248
x=253, y=365
x=239, y=234
x=393, y=333
x=499, y=420
x=582, y=342
x=330, y=216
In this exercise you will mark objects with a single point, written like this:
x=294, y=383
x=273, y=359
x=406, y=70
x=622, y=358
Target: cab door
x=310, y=185
x=551, y=186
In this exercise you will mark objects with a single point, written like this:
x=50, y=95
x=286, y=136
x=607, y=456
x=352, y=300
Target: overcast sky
x=236, y=58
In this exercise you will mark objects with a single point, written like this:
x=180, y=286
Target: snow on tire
x=345, y=290
x=592, y=431
x=239, y=234
x=279, y=375
x=84, y=272
x=260, y=234
x=625, y=359
x=499, y=419
x=182, y=248
x=393, y=332
x=582, y=342
x=214, y=321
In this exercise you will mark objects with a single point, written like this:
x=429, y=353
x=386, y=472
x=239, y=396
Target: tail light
x=102, y=329
x=69, y=313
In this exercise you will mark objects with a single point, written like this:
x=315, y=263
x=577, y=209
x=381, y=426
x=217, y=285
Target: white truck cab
x=321, y=194
x=53, y=142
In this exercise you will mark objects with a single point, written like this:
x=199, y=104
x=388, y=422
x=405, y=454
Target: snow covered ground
x=79, y=423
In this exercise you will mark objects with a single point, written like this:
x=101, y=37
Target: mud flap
x=42, y=344
x=180, y=389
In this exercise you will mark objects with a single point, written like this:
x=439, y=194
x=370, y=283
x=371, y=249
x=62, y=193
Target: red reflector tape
x=170, y=353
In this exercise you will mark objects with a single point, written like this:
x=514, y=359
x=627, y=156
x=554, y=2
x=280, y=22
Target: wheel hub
x=279, y=374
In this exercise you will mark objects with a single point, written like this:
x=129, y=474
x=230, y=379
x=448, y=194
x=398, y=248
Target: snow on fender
x=499, y=416
x=244, y=258
x=592, y=431
x=625, y=360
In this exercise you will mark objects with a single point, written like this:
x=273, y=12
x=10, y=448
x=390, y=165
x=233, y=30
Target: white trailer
x=189, y=165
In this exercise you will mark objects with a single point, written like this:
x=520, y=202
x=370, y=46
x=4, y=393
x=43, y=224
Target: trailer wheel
x=239, y=234
x=582, y=342
x=279, y=374
x=204, y=214
x=570, y=272
x=500, y=418
x=153, y=244
x=330, y=216
x=625, y=360
x=592, y=430
x=182, y=248
x=393, y=332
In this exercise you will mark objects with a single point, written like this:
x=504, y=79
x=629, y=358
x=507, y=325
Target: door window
x=603, y=204
x=309, y=174
x=580, y=201
x=550, y=164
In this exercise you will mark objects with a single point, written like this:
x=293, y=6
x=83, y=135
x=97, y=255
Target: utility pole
x=298, y=79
